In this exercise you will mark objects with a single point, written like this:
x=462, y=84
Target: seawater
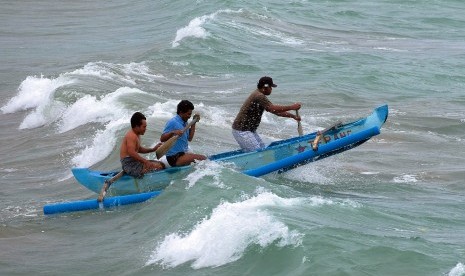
x=72, y=74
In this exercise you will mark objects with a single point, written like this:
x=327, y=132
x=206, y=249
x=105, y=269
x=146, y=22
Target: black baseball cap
x=265, y=82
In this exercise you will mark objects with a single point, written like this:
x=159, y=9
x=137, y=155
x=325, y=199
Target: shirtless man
x=132, y=162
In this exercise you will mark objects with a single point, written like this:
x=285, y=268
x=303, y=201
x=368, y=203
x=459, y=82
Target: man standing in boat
x=132, y=162
x=249, y=117
x=178, y=154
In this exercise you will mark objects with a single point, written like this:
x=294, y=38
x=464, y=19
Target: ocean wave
x=195, y=27
x=458, y=270
x=226, y=234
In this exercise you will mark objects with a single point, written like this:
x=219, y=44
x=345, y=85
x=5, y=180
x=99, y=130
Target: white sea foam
x=275, y=35
x=103, y=144
x=12, y=211
x=95, y=69
x=44, y=114
x=458, y=270
x=164, y=110
x=369, y=173
x=8, y=170
x=309, y=174
x=38, y=93
x=195, y=27
x=228, y=91
x=107, y=110
x=225, y=235
x=406, y=178
x=317, y=201
x=35, y=92
x=140, y=69
x=115, y=72
x=90, y=109
x=214, y=116
x=206, y=169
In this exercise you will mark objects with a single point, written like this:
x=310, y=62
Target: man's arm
x=149, y=150
x=194, y=121
x=281, y=110
x=191, y=132
x=167, y=135
x=288, y=115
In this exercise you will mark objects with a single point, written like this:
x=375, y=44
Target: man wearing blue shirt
x=178, y=155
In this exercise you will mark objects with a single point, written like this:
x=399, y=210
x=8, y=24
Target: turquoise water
x=73, y=73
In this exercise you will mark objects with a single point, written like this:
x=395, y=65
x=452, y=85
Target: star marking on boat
x=301, y=148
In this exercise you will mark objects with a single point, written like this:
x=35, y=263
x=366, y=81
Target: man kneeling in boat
x=178, y=154
x=132, y=162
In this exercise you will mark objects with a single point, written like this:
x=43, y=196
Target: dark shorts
x=173, y=158
x=132, y=167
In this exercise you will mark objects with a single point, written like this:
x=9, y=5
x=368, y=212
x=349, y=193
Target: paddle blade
x=299, y=129
x=299, y=125
x=163, y=149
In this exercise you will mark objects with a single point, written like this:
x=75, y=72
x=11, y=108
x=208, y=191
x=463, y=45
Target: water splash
x=35, y=92
x=195, y=29
x=90, y=109
x=225, y=236
x=102, y=145
x=406, y=178
x=458, y=270
x=206, y=169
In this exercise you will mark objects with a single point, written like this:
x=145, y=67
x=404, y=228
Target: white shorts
x=248, y=140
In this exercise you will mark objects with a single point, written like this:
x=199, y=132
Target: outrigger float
x=278, y=157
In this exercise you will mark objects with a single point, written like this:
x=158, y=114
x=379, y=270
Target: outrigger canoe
x=279, y=156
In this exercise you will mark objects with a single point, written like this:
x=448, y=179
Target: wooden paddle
x=163, y=149
x=299, y=125
x=107, y=185
x=321, y=133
